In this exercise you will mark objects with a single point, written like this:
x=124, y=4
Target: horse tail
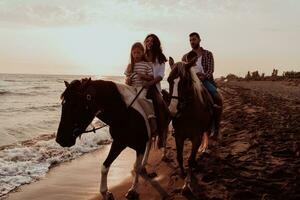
x=204, y=143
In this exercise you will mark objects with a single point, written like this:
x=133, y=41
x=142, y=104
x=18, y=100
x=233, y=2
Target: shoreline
x=77, y=178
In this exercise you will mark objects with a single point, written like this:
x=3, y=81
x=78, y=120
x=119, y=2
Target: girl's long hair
x=156, y=49
x=132, y=62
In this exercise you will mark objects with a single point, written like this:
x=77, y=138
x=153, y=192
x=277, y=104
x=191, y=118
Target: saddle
x=161, y=110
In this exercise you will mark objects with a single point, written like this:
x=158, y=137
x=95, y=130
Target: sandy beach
x=257, y=156
x=77, y=179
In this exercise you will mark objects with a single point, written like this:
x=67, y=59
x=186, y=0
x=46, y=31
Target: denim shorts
x=210, y=87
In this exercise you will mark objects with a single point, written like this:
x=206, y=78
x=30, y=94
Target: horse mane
x=75, y=83
x=197, y=84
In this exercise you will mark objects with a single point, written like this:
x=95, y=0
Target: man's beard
x=196, y=46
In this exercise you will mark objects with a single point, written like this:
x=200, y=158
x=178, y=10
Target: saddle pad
x=128, y=94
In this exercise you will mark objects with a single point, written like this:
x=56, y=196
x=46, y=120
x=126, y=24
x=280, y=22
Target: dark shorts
x=210, y=87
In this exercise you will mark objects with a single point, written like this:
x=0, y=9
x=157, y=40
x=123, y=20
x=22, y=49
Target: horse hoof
x=186, y=190
x=108, y=196
x=132, y=195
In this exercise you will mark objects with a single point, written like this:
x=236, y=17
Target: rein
x=174, y=97
x=95, y=129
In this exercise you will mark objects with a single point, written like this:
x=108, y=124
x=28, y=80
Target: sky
x=94, y=36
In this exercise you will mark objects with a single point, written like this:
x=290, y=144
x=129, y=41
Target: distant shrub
x=291, y=75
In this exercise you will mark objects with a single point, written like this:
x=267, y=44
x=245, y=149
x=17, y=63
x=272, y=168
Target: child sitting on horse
x=137, y=73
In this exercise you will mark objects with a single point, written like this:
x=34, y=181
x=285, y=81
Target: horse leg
x=132, y=192
x=192, y=163
x=195, y=146
x=165, y=137
x=179, y=148
x=115, y=150
x=144, y=161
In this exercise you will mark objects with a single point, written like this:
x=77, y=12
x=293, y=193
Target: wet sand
x=77, y=179
x=257, y=156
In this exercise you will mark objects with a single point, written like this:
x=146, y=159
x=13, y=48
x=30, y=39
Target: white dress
x=158, y=70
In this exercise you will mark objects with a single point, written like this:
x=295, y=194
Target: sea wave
x=10, y=93
x=52, y=107
x=30, y=161
x=40, y=87
x=4, y=92
x=43, y=107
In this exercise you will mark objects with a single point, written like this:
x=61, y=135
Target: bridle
x=90, y=103
x=182, y=103
x=183, y=100
x=77, y=131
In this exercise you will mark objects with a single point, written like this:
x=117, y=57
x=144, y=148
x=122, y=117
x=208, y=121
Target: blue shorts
x=210, y=87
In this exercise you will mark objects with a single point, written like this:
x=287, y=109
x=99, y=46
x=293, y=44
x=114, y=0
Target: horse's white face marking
x=174, y=102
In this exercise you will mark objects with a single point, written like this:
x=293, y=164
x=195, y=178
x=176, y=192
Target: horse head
x=184, y=85
x=77, y=111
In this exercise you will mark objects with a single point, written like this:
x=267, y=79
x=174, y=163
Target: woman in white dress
x=154, y=55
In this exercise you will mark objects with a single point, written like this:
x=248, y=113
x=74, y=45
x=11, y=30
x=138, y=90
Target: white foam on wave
x=22, y=165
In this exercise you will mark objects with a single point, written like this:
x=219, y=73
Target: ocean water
x=30, y=109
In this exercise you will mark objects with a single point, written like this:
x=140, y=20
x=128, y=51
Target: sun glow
x=94, y=37
x=98, y=48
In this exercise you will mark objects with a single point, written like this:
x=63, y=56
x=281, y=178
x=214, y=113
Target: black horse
x=84, y=99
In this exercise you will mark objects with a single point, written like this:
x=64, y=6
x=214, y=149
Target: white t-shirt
x=158, y=70
x=199, y=66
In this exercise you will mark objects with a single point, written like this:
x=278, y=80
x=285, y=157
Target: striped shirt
x=142, y=67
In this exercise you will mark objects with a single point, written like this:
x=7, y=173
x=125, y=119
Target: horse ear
x=171, y=62
x=66, y=83
x=86, y=82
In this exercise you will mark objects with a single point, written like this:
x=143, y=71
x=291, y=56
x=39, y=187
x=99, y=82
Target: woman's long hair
x=132, y=62
x=155, y=49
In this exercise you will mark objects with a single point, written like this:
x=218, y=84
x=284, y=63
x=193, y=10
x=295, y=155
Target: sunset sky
x=94, y=36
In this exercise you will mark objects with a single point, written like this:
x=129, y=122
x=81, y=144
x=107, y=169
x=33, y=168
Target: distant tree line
x=291, y=74
x=256, y=76
x=274, y=76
